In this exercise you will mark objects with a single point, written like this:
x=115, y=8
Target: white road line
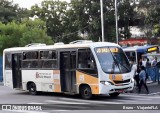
x=126, y=100
x=35, y=103
x=91, y=101
x=143, y=99
x=25, y=111
x=63, y=102
x=135, y=96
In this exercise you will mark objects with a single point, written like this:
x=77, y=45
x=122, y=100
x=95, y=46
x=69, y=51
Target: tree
x=126, y=15
x=156, y=30
x=59, y=20
x=11, y=12
x=88, y=18
x=14, y=34
x=151, y=13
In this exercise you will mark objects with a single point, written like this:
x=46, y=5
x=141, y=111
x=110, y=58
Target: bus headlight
x=132, y=80
x=106, y=82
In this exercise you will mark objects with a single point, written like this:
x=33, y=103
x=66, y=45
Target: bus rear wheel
x=86, y=92
x=32, y=89
x=114, y=94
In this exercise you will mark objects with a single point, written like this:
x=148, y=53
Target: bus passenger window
x=24, y=56
x=30, y=59
x=8, y=63
x=48, y=59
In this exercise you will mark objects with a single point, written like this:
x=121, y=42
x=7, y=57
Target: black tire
x=32, y=89
x=114, y=94
x=86, y=92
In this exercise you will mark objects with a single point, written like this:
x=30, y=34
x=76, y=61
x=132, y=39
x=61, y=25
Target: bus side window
x=48, y=59
x=86, y=61
x=8, y=63
x=30, y=59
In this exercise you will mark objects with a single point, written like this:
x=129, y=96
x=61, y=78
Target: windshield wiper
x=115, y=61
x=124, y=66
x=118, y=63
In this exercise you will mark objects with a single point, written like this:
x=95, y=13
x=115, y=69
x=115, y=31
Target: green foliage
x=156, y=30
x=150, y=10
x=59, y=20
x=15, y=35
x=80, y=19
x=11, y=12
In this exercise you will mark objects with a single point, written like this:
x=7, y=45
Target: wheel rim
x=32, y=89
x=87, y=93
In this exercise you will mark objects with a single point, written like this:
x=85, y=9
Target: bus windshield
x=113, y=60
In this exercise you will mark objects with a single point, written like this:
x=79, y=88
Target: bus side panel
x=91, y=80
x=56, y=81
x=45, y=80
x=8, y=78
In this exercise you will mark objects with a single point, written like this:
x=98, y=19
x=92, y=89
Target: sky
x=29, y=3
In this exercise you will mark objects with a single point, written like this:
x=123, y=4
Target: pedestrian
x=136, y=77
x=148, y=63
x=154, y=69
x=154, y=62
x=142, y=77
x=148, y=66
x=144, y=61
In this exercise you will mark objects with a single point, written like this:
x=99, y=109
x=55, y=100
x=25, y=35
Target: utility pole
x=116, y=19
x=102, y=21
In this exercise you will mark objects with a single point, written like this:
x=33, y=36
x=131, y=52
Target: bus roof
x=141, y=49
x=92, y=45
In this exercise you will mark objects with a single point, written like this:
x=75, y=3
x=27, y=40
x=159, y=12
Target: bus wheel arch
x=31, y=87
x=85, y=91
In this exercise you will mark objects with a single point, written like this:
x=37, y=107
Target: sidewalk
x=154, y=88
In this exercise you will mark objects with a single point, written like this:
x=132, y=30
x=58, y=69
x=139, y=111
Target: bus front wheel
x=114, y=94
x=86, y=92
x=32, y=89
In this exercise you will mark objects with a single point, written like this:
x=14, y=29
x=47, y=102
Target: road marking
x=24, y=111
x=135, y=95
x=63, y=102
x=91, y=101
x=35, y=103
x=126, y=101
x=143, y=99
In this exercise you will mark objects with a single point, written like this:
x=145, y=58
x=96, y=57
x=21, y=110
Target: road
x=58, y=103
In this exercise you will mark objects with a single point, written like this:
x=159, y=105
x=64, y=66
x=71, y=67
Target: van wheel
x=32, y=89
x=86, y=92
x=114, y=94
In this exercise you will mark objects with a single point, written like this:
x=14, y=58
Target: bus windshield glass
x=113, y=60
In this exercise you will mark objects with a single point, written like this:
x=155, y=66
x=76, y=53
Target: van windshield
x=113, y=60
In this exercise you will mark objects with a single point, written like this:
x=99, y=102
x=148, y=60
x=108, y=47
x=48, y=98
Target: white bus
x=87, y=69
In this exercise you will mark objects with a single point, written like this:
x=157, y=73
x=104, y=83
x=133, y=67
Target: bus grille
x=121, y=82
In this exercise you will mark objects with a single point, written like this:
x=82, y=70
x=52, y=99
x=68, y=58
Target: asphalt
x=154, y=88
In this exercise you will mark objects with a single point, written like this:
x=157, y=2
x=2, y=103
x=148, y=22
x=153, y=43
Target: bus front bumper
x=112, y=88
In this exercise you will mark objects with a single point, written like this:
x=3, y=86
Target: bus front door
x=68, y=71
x=16, y=70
